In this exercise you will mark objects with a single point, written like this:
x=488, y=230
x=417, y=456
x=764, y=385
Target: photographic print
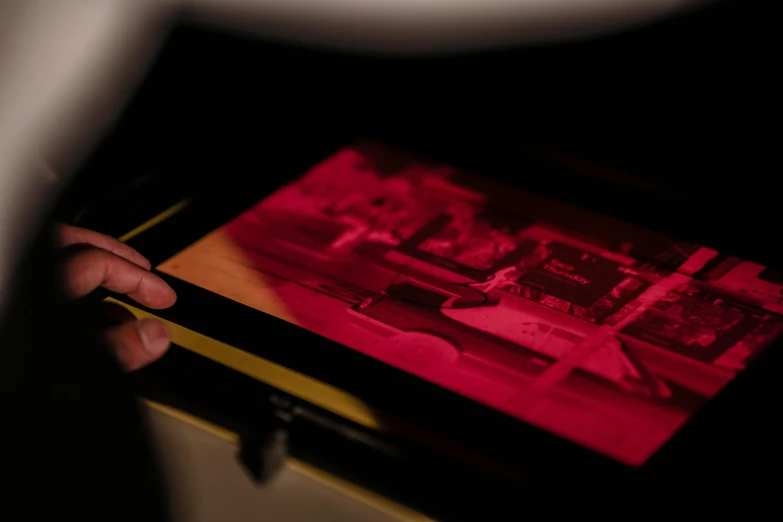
x=604, y=339
x=470, y=243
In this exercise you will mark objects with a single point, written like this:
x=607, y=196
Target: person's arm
x=73, y=442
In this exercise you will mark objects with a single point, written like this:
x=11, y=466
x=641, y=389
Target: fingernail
x=155, y=336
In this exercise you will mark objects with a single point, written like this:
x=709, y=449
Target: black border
x=390, y=467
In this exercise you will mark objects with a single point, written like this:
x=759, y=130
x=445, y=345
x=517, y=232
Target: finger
x=138, y=343
x=67, y=235
x=89, y=268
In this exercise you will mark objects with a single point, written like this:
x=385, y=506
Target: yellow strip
x=280, y=377
x=163, y=216
x=346, y=488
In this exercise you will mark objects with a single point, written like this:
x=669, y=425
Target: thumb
x=138, y=343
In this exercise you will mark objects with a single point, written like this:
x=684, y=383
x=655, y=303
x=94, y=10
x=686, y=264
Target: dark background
x=670, y=126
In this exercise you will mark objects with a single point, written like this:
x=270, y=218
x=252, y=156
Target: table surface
x=206, y=484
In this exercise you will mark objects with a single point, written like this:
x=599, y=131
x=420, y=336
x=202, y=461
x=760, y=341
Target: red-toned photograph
x=592, y=329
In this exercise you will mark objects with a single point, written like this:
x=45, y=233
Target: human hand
x=95, y=260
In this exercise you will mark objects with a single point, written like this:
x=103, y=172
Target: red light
x=598, y=333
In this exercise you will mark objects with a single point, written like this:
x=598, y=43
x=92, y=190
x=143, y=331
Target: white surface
x=207, y=484
x=432, y=25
